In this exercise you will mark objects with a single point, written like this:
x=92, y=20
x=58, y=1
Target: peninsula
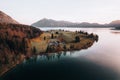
x=60, y=40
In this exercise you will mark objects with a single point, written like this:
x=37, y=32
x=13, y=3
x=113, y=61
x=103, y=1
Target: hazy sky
x=30, y=11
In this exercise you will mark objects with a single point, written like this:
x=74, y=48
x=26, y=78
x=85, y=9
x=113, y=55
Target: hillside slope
x=4, y=18
x=14, y=42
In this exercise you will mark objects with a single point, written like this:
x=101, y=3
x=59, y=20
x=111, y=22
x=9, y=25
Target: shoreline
x=55, y=41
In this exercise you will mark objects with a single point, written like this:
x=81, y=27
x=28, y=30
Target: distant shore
x=117, y=28
x=73, y=26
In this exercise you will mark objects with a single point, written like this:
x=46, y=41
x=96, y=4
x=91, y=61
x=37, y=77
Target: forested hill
x=14, y=43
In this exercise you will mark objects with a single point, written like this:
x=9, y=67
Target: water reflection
x=49, y=56
x=63, y=69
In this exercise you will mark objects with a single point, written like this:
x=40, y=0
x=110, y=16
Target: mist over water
x=99, y=62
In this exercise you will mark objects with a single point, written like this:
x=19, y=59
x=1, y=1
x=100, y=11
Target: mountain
x=4, y=18
x=53, y=23
x=115, y=23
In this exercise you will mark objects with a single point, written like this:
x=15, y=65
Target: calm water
x=99, y=62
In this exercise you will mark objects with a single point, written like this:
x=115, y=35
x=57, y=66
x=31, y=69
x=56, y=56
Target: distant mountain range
x=53, y=23
x=4, y=18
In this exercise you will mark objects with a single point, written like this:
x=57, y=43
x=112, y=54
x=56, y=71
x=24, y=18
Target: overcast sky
x=30, y=11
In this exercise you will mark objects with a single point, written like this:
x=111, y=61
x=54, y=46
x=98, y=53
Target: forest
x=14, y=43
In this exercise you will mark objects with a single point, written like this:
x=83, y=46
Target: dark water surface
x=99, y=62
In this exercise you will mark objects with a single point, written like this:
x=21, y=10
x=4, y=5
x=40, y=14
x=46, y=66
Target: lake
x=99, y=62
